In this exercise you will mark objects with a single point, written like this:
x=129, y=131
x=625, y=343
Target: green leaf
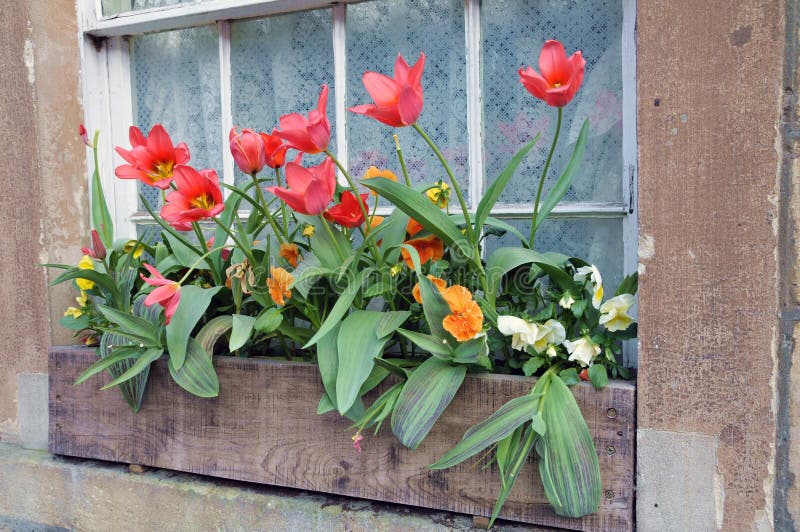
x=330, y=251
x=559, y=276
x=516, y=461
x=504, y=260
x=426, y=394
x=207, y=336
x=74, y=324
x=505, y=226
x=538, y=424
x=504, y=450
x=390, y=321
x=186, y=255
x=193, y=304
x=101, y=218
x=420, y=208
x=429, y=343
x=340, y=308
x=395, y=366
x=475, y=351
x=570, y=376
x=579, y=307
x=531, y=365
x=560, y=187
x=381, y=287
x=147, y=357
x=101, y=279
x=132, y=325
x=598, y=376
x=435, y=308
x=307, y=273
x=328, y=362
x=268, y=321
x=196, y=375
x=394, y=235
x=568, y=463
x=492, y=429
x=492, y=193
x=629, y=285
x=357, y=344
x=240, y=331
x=121, y=353
x=325, y=405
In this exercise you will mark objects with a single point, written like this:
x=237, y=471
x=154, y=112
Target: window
x=202, y=66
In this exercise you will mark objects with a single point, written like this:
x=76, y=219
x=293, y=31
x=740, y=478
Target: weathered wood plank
x=264, y=428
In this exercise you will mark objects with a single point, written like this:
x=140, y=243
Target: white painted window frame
x=108, y=99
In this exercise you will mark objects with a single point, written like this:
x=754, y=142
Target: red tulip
x=274, y=149
x=84, y=135
x=196, y=198
x=247, y=149
x=168, y=293
x=309, y=135
x=310, y=189
x=398, y=101
x=348, y=212
x=560, y=77
x=152, y=159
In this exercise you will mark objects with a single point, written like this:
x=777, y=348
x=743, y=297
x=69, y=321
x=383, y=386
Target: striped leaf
x=568, y=463
x=429, y=390
x=196, y=375
x=492, y=429
x=207, y=336
x=340, y=308
x=193, y=304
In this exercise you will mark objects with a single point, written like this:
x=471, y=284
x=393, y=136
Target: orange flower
x=374, y=222
x=466, y=320
x=413, y=227
x=441, y=284
x=279, y=285
x=429, y=248
x=291, y=253
x=373, y=171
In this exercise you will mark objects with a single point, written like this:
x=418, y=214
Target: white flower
x=566, y=300
x=597, y=282
x=583, y=350
x=614, y=313
x=551, y=351
x=551, y=332
x=523, y=333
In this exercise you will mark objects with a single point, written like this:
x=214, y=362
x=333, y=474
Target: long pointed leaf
x=122, y=353
x=503, y=261
x=197, y=375
x=340, y=308
x=242, y=328
x=142, y=363
x=516, y=462
x=193, y=304
x=207, y=336
x=101, y=218
x=426, y=394
x=133, y=325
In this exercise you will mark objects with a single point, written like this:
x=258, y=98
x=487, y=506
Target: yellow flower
x=583, y=350
x=597, y=282
x=373, y=171
x=85, y=264
x=308, y=231
x=83, y=299
x=74, y=312
x=396, y=269
x=550, y=333
x=136, y=252
x=439, y=194
x=614, y=313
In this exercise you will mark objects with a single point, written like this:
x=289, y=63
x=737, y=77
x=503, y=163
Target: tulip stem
x=284, y=214
x=329, y=230
x=402, y=160
x=461, y=201
x=235, y=240
x=534, y=220
x=267, y=212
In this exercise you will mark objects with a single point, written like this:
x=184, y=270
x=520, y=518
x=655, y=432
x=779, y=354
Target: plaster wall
x=710, y=90
x=42, y=209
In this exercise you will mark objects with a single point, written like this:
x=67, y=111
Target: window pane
x=513, y=33
x=595, y=240
x=175, y=78
x=376, y=33
x=279, y=65
x=112, y=7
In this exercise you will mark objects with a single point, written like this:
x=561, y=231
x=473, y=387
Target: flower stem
x=453, y=182
x=401, y=159
x=329, y=230
x=534, y=220
x=284, y=215
x=267, y=212
x=235, y=240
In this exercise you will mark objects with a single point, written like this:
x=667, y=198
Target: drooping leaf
x=120, y=354
x=598, y=376
x=328, y=362
x=429, y=343
x=568, y=463
x=504, y=260
x=143, y=361
x=193, y=304
x=307, y=273
x=358, y=344
x=330, y=250
x=559, y=276
x=420, y=208
x=209, y=334
x=132, y=325
x=101, y=279
x=435, y=309
x=492, y=429
x=390, y=321
x=426, y=394
x=197, y=375
x=242, y=328
x=560, y=187
x=393, y=236
x=494, y=191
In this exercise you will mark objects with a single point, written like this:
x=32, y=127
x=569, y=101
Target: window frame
x=108, y=104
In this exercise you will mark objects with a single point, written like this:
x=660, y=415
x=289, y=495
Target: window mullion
x=226, y=112
x=340, y=83
x=472, y=28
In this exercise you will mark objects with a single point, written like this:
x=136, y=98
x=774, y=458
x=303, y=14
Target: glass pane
x=175, y=78
x=112, y=7
x=513, y=34
x=279, y=65
x=376, y=33
x=595, y=240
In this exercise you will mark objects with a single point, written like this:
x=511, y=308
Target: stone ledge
x=47, y=492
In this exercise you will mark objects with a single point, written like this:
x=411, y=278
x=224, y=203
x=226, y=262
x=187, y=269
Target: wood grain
x=264, y=428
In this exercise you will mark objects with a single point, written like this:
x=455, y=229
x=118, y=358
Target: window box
x=264, y=428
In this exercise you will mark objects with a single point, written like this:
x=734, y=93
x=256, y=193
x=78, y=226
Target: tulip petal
x=293, y=199
x=316, y=197
x=382, y=89
x=135, y=136
x=415, y=74
x=159, y=144
x=553, y=62
x=297, y=177
x=181, y=153
x=409, y=106
x=127, y=171
x=533, y=82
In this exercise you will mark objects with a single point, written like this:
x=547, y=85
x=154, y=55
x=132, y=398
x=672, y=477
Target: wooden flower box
x=264, y=428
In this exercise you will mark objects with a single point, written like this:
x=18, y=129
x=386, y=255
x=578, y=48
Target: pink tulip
x=151, y=159
x=196, y=198
x=398, y=101
x=309, y=135
x=560, y=77
x=247, y=149
x=310, y=189
x=168, y=293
